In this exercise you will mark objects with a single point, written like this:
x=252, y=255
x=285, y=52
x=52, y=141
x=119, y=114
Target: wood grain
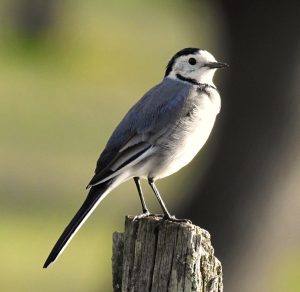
x=158, y=255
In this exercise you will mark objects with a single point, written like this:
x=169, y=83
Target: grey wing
x=145, y=122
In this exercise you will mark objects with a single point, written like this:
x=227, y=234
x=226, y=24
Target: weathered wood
x=157, y=256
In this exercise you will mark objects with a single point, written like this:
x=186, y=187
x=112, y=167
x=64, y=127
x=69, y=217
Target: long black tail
x=85, y=210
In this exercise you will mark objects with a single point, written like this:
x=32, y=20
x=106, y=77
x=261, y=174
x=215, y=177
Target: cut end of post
x=158, y=255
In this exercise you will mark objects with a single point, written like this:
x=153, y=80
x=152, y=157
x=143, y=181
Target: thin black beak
x=214, y=65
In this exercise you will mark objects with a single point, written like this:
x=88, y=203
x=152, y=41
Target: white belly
x=189, y=148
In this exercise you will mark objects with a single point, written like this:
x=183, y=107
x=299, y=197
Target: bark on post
x=157, y=256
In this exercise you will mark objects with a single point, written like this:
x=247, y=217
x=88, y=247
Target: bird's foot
x=163, y=216
x=174, y=219
x=147, y=214
x=157, y=215
x=143, y=215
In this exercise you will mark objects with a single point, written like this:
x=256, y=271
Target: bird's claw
x=143, y=215
x=164, y=217
x=147, y=214
x=174, y=219
x=156, y=215
x=138, y=217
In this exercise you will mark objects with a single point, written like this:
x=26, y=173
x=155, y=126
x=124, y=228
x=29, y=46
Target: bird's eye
x=192, y=61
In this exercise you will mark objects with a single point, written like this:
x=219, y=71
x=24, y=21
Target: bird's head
x=193, y=64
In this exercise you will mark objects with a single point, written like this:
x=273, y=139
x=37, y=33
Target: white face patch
x=193, y=66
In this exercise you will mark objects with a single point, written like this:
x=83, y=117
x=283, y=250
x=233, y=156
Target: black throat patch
x=193, y=81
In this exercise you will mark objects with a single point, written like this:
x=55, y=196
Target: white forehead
x=205, y=56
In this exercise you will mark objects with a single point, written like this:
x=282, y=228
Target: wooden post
x=154, y=255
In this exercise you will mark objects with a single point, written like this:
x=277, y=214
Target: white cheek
x=184, y=68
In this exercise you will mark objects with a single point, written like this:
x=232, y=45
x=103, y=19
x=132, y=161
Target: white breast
x=193, y=134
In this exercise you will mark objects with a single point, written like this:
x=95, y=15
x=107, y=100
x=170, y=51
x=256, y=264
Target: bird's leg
x=146, y=212
x=167, y=215
x=160, y=201
x=141, y=195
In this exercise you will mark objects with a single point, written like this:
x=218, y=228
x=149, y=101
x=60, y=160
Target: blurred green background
x=69, y=71
x=65, y=84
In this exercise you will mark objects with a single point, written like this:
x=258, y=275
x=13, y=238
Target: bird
x=160, y=134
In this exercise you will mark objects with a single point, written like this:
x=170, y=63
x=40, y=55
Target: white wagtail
x=158, y=136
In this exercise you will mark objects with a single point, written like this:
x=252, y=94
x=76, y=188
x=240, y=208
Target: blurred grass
x=61, y=96
x=284, y=272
